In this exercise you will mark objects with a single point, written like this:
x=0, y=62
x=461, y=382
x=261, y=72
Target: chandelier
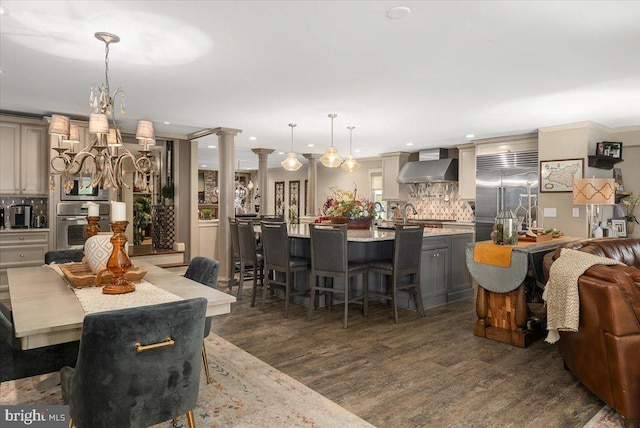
x=291, y=163
x=102, y=160
x=331, y=159
x=350, y=164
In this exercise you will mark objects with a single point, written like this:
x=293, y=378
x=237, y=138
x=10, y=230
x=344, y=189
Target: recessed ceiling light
x=203, y=166
x=409, y=143
x=280, y=153
x=212, y=147
x=398, y=12
x=469, y=135
x=310, y=145
x=167, y=123
x=356, y=151
x=253, y=138
x=2, y=10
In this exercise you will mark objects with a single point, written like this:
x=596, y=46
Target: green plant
x=206, y=213
x=631, y=202
x=141, y=218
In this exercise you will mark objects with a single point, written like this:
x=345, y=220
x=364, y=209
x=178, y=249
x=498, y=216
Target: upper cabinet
x=391, y=189
x=467, y=172
x=24, y=160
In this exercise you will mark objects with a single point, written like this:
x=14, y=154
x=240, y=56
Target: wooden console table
x=501, y=302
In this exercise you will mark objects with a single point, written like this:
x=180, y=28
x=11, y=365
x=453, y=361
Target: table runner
x=92, y=299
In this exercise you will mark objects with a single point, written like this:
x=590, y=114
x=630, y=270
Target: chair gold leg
x=206, y=363
x=190, y=420
x=70, y=422
x=174, y=422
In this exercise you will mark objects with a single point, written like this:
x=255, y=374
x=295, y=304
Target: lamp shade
x=74, y=135
x=145, y=132
x=98, y=123
x=59, y=125
x=350, y=164
x=594, y=191
x=114, y=138
x=331, y=159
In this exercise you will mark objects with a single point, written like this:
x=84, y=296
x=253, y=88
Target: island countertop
x=373, y=234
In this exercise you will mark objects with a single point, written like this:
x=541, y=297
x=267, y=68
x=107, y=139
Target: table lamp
x=593, y=192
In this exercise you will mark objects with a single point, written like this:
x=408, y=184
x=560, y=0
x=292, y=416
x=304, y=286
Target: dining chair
x=405, y=263
x=63, y=256
x=279, y=264
x=235, y=266
x=250, y=258
x=205, y=271
x=136, y=367
x=330, y=259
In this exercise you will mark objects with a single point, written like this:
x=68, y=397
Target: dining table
x=47, y=312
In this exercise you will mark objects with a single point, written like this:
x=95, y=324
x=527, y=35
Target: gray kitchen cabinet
x=24, y=161
x=460, y=287
x=435, y=270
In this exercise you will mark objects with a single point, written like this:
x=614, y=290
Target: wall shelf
x=603, y=162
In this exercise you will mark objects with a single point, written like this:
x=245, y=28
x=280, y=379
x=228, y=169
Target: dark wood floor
x=421, y=372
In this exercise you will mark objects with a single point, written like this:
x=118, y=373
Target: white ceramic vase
x=98, y=249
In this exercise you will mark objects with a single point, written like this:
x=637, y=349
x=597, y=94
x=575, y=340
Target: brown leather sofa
x=605, y=352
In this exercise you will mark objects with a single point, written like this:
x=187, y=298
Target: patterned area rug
x=246, y=392
x=605, y=418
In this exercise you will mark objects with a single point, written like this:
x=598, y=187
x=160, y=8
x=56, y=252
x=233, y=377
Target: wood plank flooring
x=421, y=372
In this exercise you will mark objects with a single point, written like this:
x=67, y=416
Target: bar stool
x=330, y=259
x=278, y=261
x=250, y=259
x=407, y=251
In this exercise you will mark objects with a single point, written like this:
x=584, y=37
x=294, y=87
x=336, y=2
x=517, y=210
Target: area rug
x=605, y=418
x=245, y=392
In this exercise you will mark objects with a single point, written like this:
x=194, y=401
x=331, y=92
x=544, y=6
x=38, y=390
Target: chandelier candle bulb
x=118, y=211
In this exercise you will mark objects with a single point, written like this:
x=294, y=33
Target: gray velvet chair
x=136, y=367
x=250, y=258
x=330, y=259
x=407, y=253
x=63, y=256
x=244, y=271
x=205, y=271
x=279, y=264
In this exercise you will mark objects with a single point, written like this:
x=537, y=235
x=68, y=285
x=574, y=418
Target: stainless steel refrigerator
x=501, y=183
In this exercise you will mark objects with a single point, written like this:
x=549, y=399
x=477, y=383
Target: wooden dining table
x=46, y=311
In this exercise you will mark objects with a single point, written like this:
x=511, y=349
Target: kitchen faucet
x=404, y=212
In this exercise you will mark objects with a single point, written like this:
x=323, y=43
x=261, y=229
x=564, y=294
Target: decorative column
x=313, y=182
x=226, y=187
x=263, y=154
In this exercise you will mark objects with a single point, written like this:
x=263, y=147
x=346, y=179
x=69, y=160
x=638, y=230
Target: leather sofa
x=605, y=352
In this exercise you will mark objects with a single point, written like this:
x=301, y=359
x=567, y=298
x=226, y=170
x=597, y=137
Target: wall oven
x=83, y=191
x=71, y=224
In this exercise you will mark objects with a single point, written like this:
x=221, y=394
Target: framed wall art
x=306, y=198
x=620, y=227
x=279, y=198
x=558, y=175
x=609, y=148
x=294, y=197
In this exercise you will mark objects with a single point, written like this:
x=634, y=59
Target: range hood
x=427, y=171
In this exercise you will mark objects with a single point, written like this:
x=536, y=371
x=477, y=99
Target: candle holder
x=119, y=263
x=93, y=228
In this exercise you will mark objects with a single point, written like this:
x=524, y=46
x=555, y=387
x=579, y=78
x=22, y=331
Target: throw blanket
x=492, y=254
x=561, y=291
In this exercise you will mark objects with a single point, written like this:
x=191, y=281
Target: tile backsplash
x=437, y=208
x=40, y=205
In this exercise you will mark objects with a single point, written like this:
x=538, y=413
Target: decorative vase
x=98, y=249
x=630, y=226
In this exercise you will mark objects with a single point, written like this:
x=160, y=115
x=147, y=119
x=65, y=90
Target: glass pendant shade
x=291, y=163
x=60, y=125
x=350, y=164
x=331, y=159
x=98, y=123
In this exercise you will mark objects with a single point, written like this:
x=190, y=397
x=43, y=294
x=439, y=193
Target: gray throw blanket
x=561, y=292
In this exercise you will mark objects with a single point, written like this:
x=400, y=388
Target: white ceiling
x=448, y=69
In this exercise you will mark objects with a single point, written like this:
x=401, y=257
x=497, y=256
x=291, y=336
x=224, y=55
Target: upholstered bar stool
x=234, y=260
x=279, y=263
x=250, y=259
x=407, y=252
x=330, y=259
x=205, y=271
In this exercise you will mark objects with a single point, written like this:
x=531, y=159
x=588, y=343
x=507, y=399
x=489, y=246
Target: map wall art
x=558, y=175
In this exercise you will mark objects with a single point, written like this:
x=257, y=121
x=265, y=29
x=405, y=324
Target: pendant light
x=350, y=164
x=291, y=163
x=331, y=159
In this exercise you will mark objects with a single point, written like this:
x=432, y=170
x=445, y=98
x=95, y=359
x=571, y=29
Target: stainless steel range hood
x=427, y=171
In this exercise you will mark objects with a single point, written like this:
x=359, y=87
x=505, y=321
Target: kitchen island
x=444, y=275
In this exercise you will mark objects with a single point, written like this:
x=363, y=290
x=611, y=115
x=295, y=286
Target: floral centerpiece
x=631, y=203
x=345, y=207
